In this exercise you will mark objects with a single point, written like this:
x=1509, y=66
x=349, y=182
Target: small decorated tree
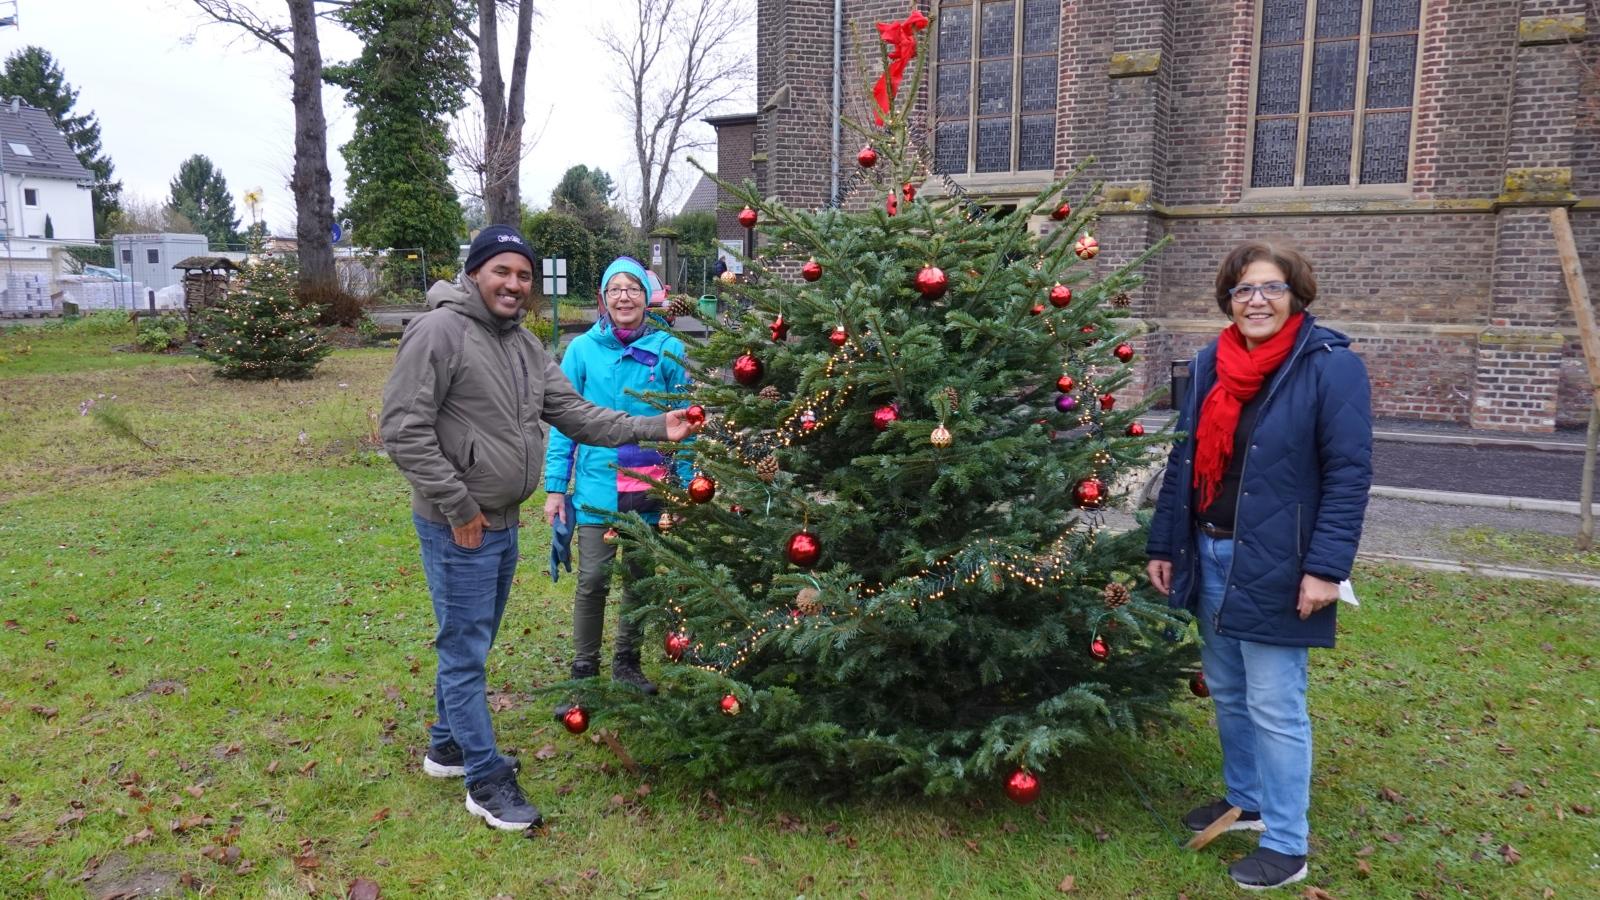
x=890, y=570
x=260, y=330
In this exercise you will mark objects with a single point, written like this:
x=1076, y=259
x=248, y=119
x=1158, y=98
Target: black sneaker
x=1201, y=817
x=1265, y=869
x=585, y=668
x=445, y=761
x=625, y=668
x=449, y=761
x=498, y=800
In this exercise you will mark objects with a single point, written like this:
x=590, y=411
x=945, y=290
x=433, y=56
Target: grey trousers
x=595, y=559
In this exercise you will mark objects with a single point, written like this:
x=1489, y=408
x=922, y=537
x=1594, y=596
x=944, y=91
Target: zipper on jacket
x=1244, y=465
x=522, y=396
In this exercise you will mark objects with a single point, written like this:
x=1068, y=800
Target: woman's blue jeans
x=1260, y=695
x=469, y=590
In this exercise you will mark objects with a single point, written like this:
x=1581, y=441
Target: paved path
x=1546, y=474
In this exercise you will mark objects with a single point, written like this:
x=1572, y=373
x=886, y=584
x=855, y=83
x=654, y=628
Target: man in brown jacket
x=464, y=416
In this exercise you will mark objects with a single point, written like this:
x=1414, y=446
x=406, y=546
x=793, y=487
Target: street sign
x=555, y=277
x=337, y=232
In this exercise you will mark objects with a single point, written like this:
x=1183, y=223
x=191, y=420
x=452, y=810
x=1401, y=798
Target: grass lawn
x=1531, y=549
x=215, y=672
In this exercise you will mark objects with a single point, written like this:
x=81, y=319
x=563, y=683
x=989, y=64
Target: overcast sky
x=164, y=85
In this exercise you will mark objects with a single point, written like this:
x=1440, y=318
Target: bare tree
x=312, y=182
x=678, y=60
x=500, y=161
x=483, y=168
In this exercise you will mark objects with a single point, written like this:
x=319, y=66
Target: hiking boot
x=498, y=800
x=1265, y=869
x=1201, y=817
x=585, y=668
x=448, y=760
x=625, y=668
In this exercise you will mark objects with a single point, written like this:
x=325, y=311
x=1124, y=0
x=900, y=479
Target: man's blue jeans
x=469, y=590
x=1260, y=695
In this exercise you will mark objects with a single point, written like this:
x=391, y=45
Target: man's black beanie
x=495, y=240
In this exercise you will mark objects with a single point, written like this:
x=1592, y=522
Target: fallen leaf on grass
x=1068, y=884
x=1510, y=854
x=179, y=826
x=1363, y=868
x=45, y=712
x=272, y=767
x=195, y=791
x=1390, y=795
x=1368, y=850
x=750, y=860
x=1518, y=789
x=308, y=767
x=1582, y=809
x=307, y=860
x=363, y=889
x=1316, y=893
x=139, y=837
x=548, y=751
x=71, y=817
x=245, y=867
x=502, y=702
x=380, y=815
x=972, y=845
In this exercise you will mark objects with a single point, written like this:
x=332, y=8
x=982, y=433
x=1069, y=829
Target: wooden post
x=1199, y=841
x=1589, y=337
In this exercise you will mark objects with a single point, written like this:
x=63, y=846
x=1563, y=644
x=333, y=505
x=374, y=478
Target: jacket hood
x=462, y=297
x=1322, y=335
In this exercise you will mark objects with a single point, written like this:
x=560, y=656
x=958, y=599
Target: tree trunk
x=311, y=183
x=502, y=116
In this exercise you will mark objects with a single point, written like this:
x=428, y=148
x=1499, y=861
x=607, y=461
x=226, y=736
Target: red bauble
x=931, y=282
x=696, y=414
x=1065, y=384
x=1123, y=352
x=1036, y=310
x=1090, y=493
x=779, y=328
x=1135, y=429
x=891, y=205
x=730, y=705
x=803, y=549
x=909, y=190
x=576, y=719
x=1060, y=296
x=737, y=510
x=838, y=336
x=1197, y=685
x=1086, y=247
x=884, y=416
x=1061, y=212
x=867, y=158
x=747, y=369
x=1107, y=401
x=676, y=643
x=1098, y=648
x=1022, y=787
x=811, y=271
x=1087, y=329
x=702, y=489
x=747, y=217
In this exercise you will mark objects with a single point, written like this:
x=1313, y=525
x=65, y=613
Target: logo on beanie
x=508, y=238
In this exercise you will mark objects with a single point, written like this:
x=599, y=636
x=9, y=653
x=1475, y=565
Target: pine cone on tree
x=808, y=602
x=681, y=305
x=1122, y=300
x=770, y=392
x=767, y=468
x=954, y=397
x=1116, y=595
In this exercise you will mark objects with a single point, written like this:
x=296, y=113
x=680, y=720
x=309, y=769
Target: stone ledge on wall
x=1533, y=30
x=1135, y=63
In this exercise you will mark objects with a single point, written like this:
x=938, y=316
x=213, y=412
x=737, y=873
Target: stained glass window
x=995, y=85
x=1335, y=87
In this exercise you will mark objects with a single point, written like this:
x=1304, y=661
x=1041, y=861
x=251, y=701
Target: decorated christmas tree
x=260, y=330
x=890, y=570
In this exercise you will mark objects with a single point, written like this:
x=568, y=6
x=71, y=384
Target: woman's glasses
x=617, y=293
x=1272, y=290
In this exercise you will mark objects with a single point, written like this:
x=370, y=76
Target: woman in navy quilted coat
x=1258, y=521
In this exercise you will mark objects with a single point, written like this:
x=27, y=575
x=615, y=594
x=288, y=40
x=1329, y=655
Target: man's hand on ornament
x=678, y=426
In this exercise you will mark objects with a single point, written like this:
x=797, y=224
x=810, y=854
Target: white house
x=44, y=206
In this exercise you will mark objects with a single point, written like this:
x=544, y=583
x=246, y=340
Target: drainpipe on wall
x=833, y=158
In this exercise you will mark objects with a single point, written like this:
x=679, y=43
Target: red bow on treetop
x=902, y=38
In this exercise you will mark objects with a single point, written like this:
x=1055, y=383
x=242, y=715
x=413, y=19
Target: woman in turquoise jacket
x=623, y=352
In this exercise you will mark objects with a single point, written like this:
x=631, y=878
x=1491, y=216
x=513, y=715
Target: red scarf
x=1240, y=374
